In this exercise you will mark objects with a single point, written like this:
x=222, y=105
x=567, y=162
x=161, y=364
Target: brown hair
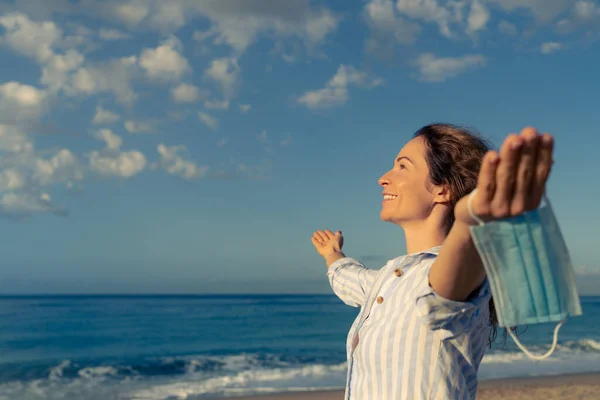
x=454, y=156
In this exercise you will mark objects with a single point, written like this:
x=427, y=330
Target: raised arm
x=509, y=184
x=349, y=279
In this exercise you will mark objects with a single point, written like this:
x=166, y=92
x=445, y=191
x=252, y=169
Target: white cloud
x=262, y=137
x=382, y=17
x=507, y=28
x=550, y=47
x=13, y=140
x=335, y=92
x=172, y=161
x=30, y=38
x=286, y=141
x=139, y=126
x=122, y=165
x=11, y=179
x=208, y=120
x=543, y=10
x=185, y=93
x=582, y=14
x=21, y=205
x=103, y=116
x=60, y=168
x=245, y=108
x=113, y=34
x=112, y=140
x=225, y=73
x=165, y=62
x=478, y=17
x=430, y=11
x=216, y=104
x=20, y=102
x=436, y=69
x=222, y=142
x=112, y=76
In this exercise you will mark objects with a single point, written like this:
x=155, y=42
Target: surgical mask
x=529, y=270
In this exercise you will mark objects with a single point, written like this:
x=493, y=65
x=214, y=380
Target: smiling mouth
x=388, y=197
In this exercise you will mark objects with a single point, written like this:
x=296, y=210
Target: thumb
x=338, y=233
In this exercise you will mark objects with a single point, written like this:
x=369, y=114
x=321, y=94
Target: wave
x=197, y=376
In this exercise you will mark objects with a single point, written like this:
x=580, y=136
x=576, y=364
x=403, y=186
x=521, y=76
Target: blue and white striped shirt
x=408, y=342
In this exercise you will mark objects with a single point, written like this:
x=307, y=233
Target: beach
x=564, y=387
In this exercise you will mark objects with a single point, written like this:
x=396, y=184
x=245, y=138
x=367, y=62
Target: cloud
x=335, y=92
x=550, y=47
x=185, y=93
x=225, y=73
x=222, y=142
x=262, y=137
x=113, y=76
x=20, y=102
x=60, y=168
x=23, y=205
x=244, y=108
x=216, y=104
x=13, y=140
x=113, y=141
x=121, y=165
x=113, y=34
x=103, y=116
x=437, y=69
x=478, y=17
x=165, y=62
x=172, y=161
x=208, y=120
x=431, y=12
x=286, y=141
x=507, y=28
x=543, y=10
x=384, y=21
x=30, y=38
x=139, y=126
x=582, y=14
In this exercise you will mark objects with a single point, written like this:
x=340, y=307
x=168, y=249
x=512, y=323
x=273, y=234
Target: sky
x=194, y=146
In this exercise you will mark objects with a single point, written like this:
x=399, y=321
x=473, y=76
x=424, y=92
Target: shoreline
x=550, y=387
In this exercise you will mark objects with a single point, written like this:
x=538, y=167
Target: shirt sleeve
x=351, y=281
x=451, y=318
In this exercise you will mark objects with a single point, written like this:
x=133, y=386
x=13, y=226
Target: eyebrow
x=401, y=158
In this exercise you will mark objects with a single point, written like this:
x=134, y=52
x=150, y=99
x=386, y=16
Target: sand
x=564, y=387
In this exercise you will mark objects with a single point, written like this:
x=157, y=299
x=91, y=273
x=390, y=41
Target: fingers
x=486, y=184
x=324, y=235
x=505, y=176
x=522, y=201
x=542, y=168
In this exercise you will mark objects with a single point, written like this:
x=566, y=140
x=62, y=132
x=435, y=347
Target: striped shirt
x=408, y=342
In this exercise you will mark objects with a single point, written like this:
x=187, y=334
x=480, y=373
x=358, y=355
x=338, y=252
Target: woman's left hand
x=513, y=181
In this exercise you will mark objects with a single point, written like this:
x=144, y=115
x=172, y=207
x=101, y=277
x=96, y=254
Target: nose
x=383, y=181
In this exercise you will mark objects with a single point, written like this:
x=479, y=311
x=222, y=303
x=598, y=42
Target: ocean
x=193, y=347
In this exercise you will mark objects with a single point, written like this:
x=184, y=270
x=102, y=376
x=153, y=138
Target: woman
x=427, y=317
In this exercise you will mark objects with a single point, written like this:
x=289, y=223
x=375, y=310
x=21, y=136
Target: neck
x=423, y=235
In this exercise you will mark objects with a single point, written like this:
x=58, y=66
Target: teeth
x=389, y=197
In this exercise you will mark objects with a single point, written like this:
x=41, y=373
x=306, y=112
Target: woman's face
x=408, y=194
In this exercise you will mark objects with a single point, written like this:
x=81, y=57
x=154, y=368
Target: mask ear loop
x=545, y=355
x=510, y=332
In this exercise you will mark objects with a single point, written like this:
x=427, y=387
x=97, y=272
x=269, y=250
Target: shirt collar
x=433, y=251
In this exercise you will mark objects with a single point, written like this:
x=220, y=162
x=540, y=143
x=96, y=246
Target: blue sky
x=193, y=147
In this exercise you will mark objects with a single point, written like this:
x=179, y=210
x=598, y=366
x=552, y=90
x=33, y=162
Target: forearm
x=458, y=270
x=333, y=257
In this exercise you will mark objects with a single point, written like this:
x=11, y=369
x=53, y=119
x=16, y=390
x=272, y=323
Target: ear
x=441, y=194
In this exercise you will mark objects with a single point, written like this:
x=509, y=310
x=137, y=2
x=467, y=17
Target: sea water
x=189, y=347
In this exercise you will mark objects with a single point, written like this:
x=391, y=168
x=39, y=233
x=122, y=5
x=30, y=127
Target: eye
x=402, y=166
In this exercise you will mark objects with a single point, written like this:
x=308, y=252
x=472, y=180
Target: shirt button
x=379, y=300
x=398, y=272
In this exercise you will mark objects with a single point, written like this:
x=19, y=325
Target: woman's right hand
x=327, y=242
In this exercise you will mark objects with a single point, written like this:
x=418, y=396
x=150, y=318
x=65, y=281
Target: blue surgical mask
x=529, y=270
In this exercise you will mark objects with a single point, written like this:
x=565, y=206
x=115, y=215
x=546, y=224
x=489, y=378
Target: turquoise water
x=185, y=347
